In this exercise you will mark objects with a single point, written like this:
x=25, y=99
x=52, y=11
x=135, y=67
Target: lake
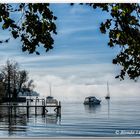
x=119, y=117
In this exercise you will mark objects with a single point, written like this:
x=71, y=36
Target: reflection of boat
x=91, y=100
x=108, y=104
x=108, y=94
x=92, y=108
x=51, y=119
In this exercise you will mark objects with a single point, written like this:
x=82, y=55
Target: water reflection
x=108, y=107
x=47, y=119
x=92, y=108
x=15, y=121
x=11, y=121
x=53, y=119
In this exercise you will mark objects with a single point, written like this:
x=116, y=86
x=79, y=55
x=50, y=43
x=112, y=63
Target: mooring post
x=43, y=107
x=59, y=109
x=27, y=108
x=36, y=106
x=10, y=109
x=15, y=111
x=42, y=101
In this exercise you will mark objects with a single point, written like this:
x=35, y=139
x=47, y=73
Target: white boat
x=51, y=101
x=108, y=93
x=91, y=100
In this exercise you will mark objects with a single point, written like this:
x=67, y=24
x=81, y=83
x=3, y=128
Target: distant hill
x=33, y=93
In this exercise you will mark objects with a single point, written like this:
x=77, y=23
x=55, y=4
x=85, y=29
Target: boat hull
x=93, y=103
x=107, y=97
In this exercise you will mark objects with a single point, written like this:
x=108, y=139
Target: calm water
x=77, y=120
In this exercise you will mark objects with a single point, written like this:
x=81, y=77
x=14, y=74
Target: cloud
x=74, y=83
x=73, y=29
x=88, y=38
x=78, y=9
x=59, y=60
x=67, y=89
x=42, y=58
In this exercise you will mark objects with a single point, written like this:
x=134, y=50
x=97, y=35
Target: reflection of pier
x=15, y=120
x=12, y=120
x=33, y=103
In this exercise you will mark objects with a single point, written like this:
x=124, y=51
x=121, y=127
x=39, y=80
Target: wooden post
x=11, y=110
x=35, y=106
x=59, y=109
x=15, y=111
x=27, y=108
x=43, y=107
x=42, y=101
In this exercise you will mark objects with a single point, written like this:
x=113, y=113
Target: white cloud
x=68, y=89
x=88, y=38
x=37, y=59
x=78, y=9
x=74, y=83
x=74, y=29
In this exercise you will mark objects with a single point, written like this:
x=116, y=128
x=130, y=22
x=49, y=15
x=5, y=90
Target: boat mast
x=50, y=89
x=108, y=95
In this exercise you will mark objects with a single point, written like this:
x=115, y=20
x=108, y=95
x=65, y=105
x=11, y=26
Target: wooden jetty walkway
x=28, y=104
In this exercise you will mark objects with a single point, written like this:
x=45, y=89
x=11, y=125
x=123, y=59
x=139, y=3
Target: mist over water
x=77, y=120
x=76, y=88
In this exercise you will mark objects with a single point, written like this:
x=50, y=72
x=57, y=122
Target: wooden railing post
x=43, y=107
x=11, y=109
x=27, y=108
x=35, y=106
x=59, y=109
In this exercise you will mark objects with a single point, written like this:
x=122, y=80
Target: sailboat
x=50, y=99
x=108, y=94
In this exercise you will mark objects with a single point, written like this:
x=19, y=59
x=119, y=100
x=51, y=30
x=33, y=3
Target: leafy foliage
x=35, y=26
x=124, y=31
x=13, y=80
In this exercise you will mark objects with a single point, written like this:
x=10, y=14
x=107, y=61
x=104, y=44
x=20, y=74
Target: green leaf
x=37, y=53
x=5, y=26
x=24, y=49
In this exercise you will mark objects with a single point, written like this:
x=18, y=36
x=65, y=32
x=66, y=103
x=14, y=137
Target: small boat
x=107, y=97
x=91, y=100
x=50, y=100
x=108, y=93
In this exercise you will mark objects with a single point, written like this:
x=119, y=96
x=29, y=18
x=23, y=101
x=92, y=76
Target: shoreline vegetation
x=15, y=83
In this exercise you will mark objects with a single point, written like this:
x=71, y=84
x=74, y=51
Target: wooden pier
x=36, y=103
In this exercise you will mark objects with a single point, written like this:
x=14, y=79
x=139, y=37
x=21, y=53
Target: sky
x=80, y=63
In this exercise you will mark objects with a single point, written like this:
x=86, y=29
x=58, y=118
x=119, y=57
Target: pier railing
x=36, y=104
